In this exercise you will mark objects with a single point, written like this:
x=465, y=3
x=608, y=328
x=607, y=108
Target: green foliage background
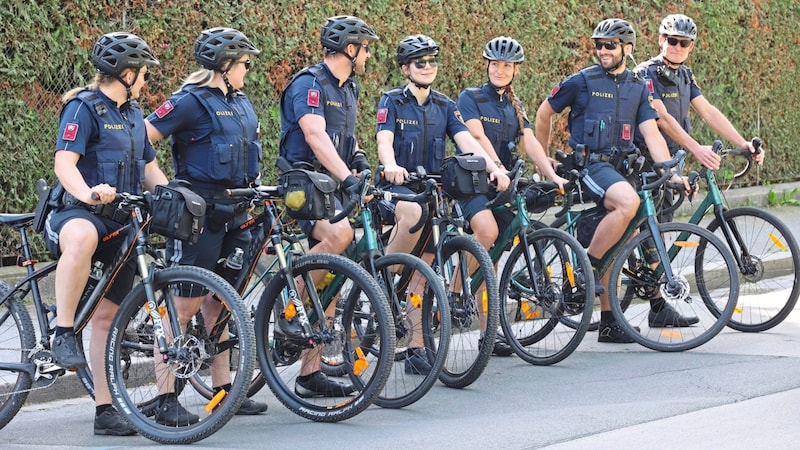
x=745, y=60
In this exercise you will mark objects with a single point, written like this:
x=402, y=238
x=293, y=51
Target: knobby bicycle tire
x=689, y=248
x=768, y=282
x=133, y=377
x=469, y=352
x=361, y=333
x=407, y=384
x=16, y=338
x=533, y=311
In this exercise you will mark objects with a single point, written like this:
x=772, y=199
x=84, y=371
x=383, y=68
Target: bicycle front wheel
x=422, y=326
x=769, y=260
x=706, y=300
x=474, y=310
x=143, y=381
x=359, y=333
x=16, y=340
x=542, y=287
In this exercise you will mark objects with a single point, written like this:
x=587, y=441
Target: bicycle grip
x=757, y=144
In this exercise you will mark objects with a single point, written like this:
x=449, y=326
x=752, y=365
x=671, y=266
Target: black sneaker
x=171, y=413
x=501, y=347
x=251, y=407
x=319, y=385
x=111, y=423
x=66, y=353
x=612, y=332
x=667, y=316
x=416, y=363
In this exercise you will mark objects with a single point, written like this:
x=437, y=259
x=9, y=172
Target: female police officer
x=413, y=123
x=215, y=146
x=102, y=149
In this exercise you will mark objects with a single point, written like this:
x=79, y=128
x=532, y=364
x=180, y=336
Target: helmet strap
x=672, y=64
x=127, y=86
x=224, y=74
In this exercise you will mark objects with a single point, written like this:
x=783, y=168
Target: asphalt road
x=737, y=391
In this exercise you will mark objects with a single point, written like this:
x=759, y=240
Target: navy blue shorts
x=600, y=177
x=104, y=253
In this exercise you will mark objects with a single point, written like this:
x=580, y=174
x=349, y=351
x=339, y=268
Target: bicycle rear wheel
x=136, y=381
x=16, y=340
x=361, y=334
x=540, y=294
x=422, y=326
x=692, y=293
x=770, y=260
x=473, y=311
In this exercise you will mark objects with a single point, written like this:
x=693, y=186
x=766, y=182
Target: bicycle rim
x=770, y=260
x=359, y=333
x=693, y=293
x=534, y=311
x=136, y=382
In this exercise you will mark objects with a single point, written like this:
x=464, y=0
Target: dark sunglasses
x=420, y=63
x=247, y=64
x=610, y=45
x=146, y=76
x=685, y=43
x=365, y=46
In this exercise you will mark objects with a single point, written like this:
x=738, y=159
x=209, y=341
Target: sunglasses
x=421, y=63
x=146, y=76
x=611, y=45
x=685, y=43
x=246, y=63
x=365, y=46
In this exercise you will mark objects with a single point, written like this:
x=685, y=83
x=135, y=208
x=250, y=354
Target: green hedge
x=745, y=60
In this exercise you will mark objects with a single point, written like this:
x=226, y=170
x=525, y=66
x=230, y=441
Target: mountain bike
x=31, y=364
x=672, y=261
x=291, y=324
x=417, y=299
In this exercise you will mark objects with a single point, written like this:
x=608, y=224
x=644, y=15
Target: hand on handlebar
x=756, y=149
x=102, y=193
x=679, y=180
x=395, y=174
x=707, y=157
x=501, y=180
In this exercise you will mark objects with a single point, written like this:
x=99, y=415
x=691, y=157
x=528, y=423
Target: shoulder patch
x=70, y=132
x=555, y=90
x=649, y=82
x=382, y=114
x=313, y=98
x=457, y=113
x=164, y=109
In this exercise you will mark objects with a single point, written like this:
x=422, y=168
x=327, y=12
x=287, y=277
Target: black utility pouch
x=464, y=176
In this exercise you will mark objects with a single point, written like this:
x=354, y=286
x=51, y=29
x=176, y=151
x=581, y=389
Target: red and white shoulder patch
x=383, y=113
x=313, y=98
x=164, y=109
x=70, y=132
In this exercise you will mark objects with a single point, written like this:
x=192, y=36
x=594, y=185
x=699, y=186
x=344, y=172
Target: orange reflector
x=687, y=244
x=672, y=334
x=528, y=313
x=416, y=300
x=570, y=273
x=215, y=400
x=290, y=312
x=360, y=364
x=485, y=302
x=777, y=242
x=162, y=310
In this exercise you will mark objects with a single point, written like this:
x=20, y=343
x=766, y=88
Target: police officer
x=497, y=120
x=413, y=124
x=102, y=149
x=608, y=104
x=318, y=120
x=214, y=134
x=674, y=88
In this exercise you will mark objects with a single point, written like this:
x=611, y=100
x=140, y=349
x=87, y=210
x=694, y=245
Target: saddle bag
x=49, y=199
x=464, y=176
x=308, y=195
x=177, y=212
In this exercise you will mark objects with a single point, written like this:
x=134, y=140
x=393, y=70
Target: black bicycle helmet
x=115, y=52
x=216, y=45
x=504, y=48
x=615, y=29
x=339, y=31
x=678, y=25
x=416, y=46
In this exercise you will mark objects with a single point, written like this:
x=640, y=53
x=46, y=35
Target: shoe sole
x=113, y=433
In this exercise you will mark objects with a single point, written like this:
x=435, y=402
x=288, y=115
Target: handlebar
x=664, y=167
x=505, y=196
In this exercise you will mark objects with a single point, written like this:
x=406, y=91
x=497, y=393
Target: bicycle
x=32, y=367
x=764, y=248
x=290, y=320
x=416, y=296
x=473, y=307
x=543, y=281
x=670, y=261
